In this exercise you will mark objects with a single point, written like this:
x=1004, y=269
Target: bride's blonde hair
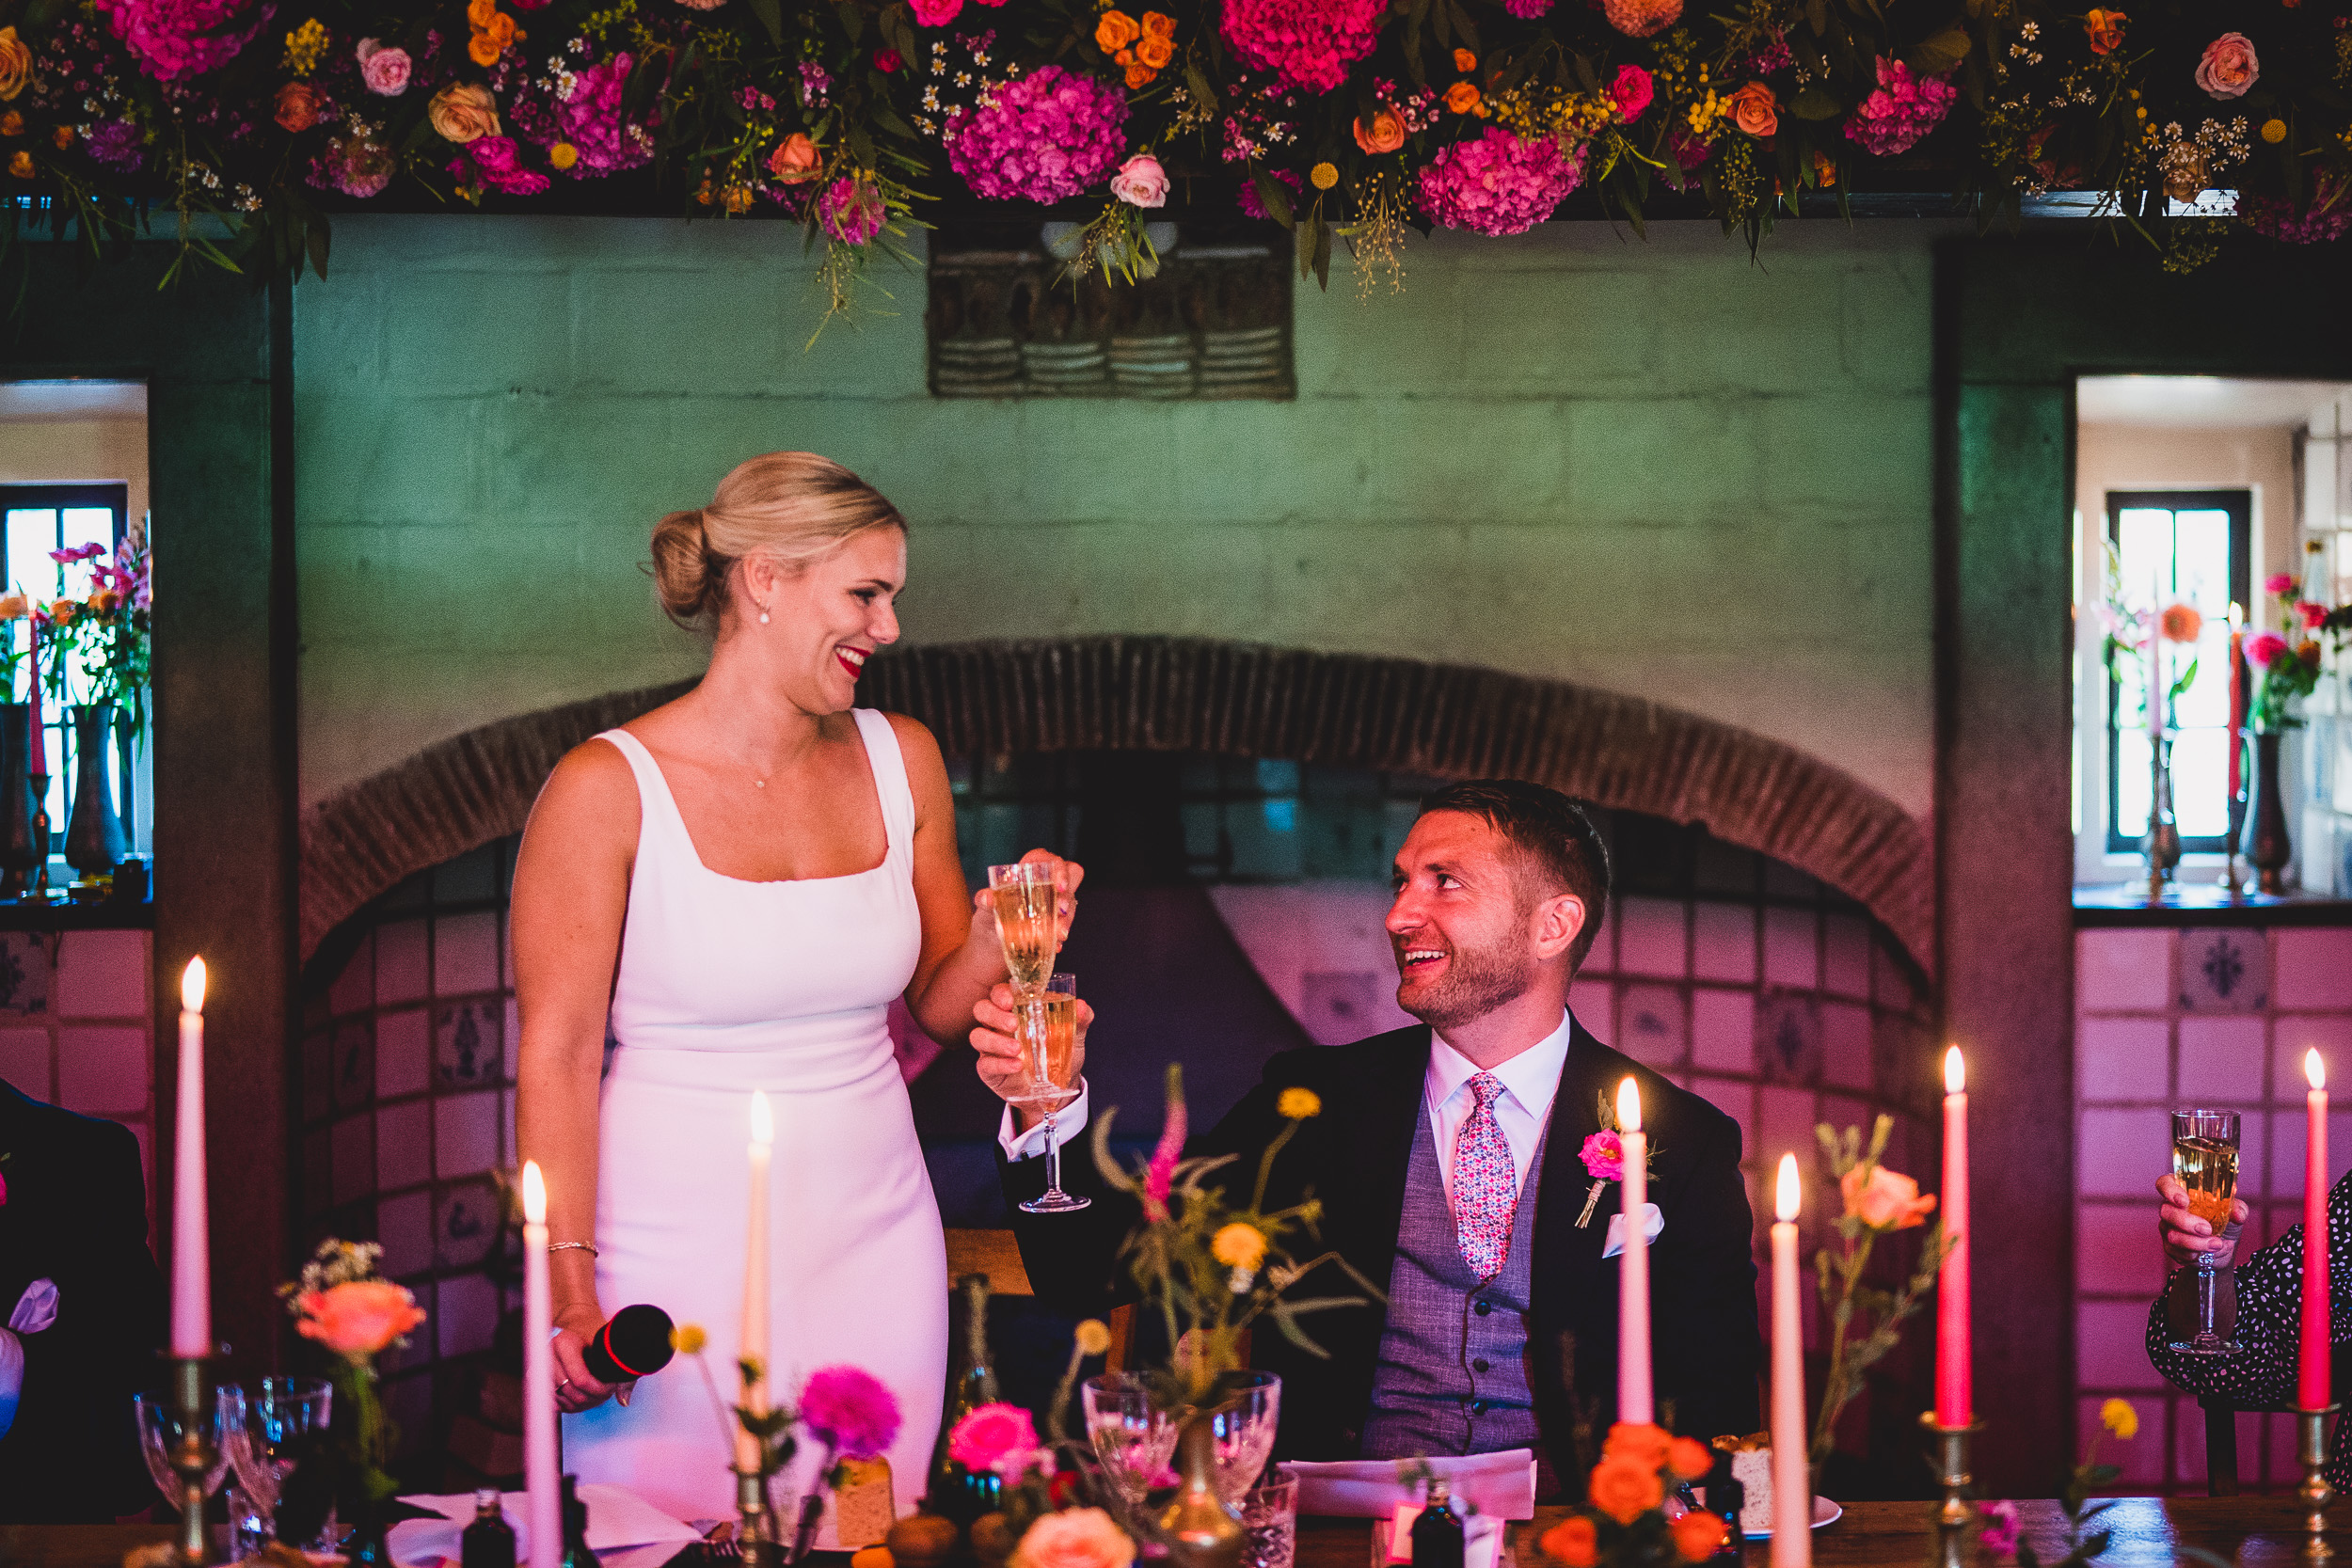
x=793, y=507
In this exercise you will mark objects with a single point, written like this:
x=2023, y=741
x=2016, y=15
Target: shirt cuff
x=12, y=1378
x=1068, y=1123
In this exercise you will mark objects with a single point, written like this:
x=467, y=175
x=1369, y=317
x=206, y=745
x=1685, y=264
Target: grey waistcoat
x=1452, y=1379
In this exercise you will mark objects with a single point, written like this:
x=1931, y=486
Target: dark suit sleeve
x=73, y=1418
x=1703, y=1295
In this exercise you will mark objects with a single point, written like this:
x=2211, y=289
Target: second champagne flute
x=1046, y=1024
x=1025, y=896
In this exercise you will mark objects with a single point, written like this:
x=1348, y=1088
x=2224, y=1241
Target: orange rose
x=1139, y=75
x=795, y=158
x=1755, y=110
x=1824, y=172
x=62, y=612
x=11, y=124
x=1572, y=1543
x=63, y=137
x=1887, y=1202
x=1461, y=98
x=1698, y=1535
x=464, y=112
x=1624, y=1489
x=1154, y=51
x=1387, y=133
x=1465, y=60
x=358, y=1319
x=1116, y=31
x=2106, y=31
x=484, y=50
x=21, y=165
x=1647, y=1445
x=16, y=63
x=1690, y=1460
x=297, y=105
x=1159, y=25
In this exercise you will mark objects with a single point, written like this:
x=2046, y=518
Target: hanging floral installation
x=251, y=120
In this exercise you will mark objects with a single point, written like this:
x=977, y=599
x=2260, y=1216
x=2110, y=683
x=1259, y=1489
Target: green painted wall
x=1648, y=466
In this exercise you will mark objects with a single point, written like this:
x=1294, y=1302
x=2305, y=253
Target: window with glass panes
x=39, y=518
x=2177, y=546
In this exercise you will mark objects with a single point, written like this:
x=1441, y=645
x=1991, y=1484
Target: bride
x=741, y=881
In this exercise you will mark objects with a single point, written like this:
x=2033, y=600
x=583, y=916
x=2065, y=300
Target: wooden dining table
x=2146, y=1531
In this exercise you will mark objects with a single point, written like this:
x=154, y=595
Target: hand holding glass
x=1026, y=922
x=1046, y=1026
x=2204, y=1161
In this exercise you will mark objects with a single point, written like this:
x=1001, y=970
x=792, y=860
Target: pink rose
x=2312, y=614
x=1604, y=1156
x=1141, y=181
x=2263, y=647
x=2279, y=582
x=1632, y=92
x=2229, y=67
x=795, y=158
x=990, y=1432
x=936, y=13
x=358, y=1319
x=1076, y=1538
x=385, y=71
x=1888, y=1201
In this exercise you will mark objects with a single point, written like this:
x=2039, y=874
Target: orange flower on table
x=1698, y=1535
x=297, y=106
x=63, y=137
x=16, y=63
x=11, y=124
x=1888, y=1201
x=464, y=112
x=796, y=159
x=1154, y=51
x=1461, y=98
x=1465, y=60
x=1159, y=24
x=1824, y=172
x=21, y=165
x=1139, y=75
x=1386, y=131
x=1755, y=110
x=359, y=1318
x=1572, y=1543
x=1116, y=31
x=2105, y=29
x=62, y=612
x=1624, y=1489
x=1689, y=1459
x=1648, y=1446
x=2180, y=622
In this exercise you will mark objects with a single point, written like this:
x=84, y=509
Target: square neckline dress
x=725, y=986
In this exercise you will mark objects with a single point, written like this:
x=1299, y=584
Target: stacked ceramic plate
x=1063, y=370
x=1243, y=364
x=976, y=367
x=1157, y=367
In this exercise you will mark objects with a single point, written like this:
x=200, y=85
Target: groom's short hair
x=1560, y=850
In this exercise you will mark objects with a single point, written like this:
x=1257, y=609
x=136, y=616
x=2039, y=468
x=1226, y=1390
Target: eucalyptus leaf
x=771, y=15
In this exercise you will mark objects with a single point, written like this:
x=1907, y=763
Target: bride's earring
x=763, y=615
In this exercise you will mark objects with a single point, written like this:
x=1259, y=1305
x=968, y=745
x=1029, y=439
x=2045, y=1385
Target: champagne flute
x=1024, y=897
x=2204, y=1159
x=1045, y=1025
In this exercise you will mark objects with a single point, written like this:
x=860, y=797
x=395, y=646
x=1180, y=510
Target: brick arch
x=1182, y=694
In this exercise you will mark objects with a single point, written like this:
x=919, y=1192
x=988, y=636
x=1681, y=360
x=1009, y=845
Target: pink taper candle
x=753, y=1352
x=1634, y=1386
x=2312, y=1387
x=1792, y=1480
x=1955, y=1376
x=543, y=1489
x=191, y=1235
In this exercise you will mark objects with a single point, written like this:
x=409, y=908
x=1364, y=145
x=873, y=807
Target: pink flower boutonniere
x=4, y=1181
x=1604, y=1155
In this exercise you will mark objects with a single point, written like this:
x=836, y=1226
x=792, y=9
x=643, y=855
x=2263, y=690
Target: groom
x=1450, y=1162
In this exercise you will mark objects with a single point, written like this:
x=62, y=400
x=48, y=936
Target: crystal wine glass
x=1026, y=921
x=1133, y=1438
x=2204, y=1159
x=1244, y=1425
x=162, y=1431
x=1045, y=1025
x=285, y=1420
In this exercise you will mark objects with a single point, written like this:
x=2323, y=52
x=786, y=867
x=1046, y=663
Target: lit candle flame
x=1785, y=1201
x=1628, y=1107
x=534, y=1195
x=2315, y=1070
x=763, y=1123
x=192, y=987
x=1955, y=1072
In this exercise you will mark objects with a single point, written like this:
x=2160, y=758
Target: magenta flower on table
x=496, y=161
x=116, y=143
x=588, y=116
x=1251, y=204
x=1498, y=183
x=936, y=13
x=1632, y=92
x=851, y=210
x=1308, y=43
x=356, y=166
x=988, y=1434
x=849, y=1410
x=171, y=38
x=2001, y=1527
x=2263, y=647
x=1527, y=10
x=1039, y=138
x=2327, y=216
x=1903, y=109
x=1160, y=1175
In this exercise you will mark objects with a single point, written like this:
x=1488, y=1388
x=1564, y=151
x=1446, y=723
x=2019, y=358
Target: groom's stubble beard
x=1477, y=981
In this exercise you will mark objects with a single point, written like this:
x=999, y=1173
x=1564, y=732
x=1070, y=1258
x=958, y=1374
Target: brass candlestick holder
x=2316, y=1494
x=756, y=1530
x=1956, y=1516
x=194, y=1456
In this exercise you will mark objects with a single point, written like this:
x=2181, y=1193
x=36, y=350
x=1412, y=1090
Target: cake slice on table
x=1752, y=1470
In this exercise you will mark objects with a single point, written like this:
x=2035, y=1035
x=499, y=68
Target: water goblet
x=285, y=1421
x=1045, y=1025
x=1133, y=1438
x=1245, y=1422
x=162, y=1430
x=1269, y=1516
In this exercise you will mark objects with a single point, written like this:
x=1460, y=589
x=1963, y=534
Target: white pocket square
x=1652, y=1223
x=37, y=1309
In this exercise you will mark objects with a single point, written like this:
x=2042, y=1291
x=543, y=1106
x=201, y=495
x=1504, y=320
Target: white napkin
x=618, y=1519
x=1499, y=1485
x=37, y=1309
x=1652, y=1223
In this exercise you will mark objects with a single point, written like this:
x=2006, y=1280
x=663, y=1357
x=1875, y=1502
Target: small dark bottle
x=1726, y=1498
x=489, y=1540
x=576, y=1552
x=1438, y=1531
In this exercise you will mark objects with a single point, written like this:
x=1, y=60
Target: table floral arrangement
x=1878, y=1203
x=2085, y=1538
x=1351, y=118
x=342, y=1304
x=1623, y=1520
x=2289, y=657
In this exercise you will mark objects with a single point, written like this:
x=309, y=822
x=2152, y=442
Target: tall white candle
x=191, y=1234
x=2155, y=661
x=754, y=1351
x=1792, y=1482
x=1633, y=1368
x=543, y=1488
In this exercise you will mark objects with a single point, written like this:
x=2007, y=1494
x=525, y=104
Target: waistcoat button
x=1483, y=1308
x=1479, y=1365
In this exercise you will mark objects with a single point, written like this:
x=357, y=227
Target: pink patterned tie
x=1485, y=1183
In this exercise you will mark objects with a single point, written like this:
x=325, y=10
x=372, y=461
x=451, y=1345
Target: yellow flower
x=2119, y=1417
x=1324, y=176
x=563, y=155
x=2274, y=131
x=304, y=47
x=1296, y=1104
x=1238, y=1246
x=1093, y=1336
x=688, y=1338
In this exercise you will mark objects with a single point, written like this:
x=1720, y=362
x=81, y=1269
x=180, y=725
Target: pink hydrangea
x=172, y=39
x=589, y=117
x=1904, y=109
x=851, y=210
x=1632, y=92
x=1498, y=183
x=1044, y=136
x=1527, y=10
x=356, y=166
x=2327, y=217
x=851, y=1411
x=496, y=161
x=1308, y=43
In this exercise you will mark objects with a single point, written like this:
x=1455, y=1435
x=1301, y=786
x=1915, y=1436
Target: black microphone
x=634, y=1344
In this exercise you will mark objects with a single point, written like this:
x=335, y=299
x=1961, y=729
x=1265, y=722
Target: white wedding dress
x=725, y=986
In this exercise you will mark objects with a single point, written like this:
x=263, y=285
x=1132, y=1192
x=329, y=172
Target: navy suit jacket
x=1353, y=1157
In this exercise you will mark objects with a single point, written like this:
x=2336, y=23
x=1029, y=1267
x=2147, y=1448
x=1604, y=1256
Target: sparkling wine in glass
x=1045, y=1024
x=1025, y=896
x=2204, y=1159
x=1133, y=1438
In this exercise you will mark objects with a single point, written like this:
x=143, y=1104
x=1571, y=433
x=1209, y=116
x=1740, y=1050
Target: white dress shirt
x=1531, y=1081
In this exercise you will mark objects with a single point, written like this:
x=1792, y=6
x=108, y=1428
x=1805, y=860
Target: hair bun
x=682, y=568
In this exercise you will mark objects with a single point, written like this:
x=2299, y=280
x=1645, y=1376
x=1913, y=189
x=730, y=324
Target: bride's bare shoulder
x=592, y=786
